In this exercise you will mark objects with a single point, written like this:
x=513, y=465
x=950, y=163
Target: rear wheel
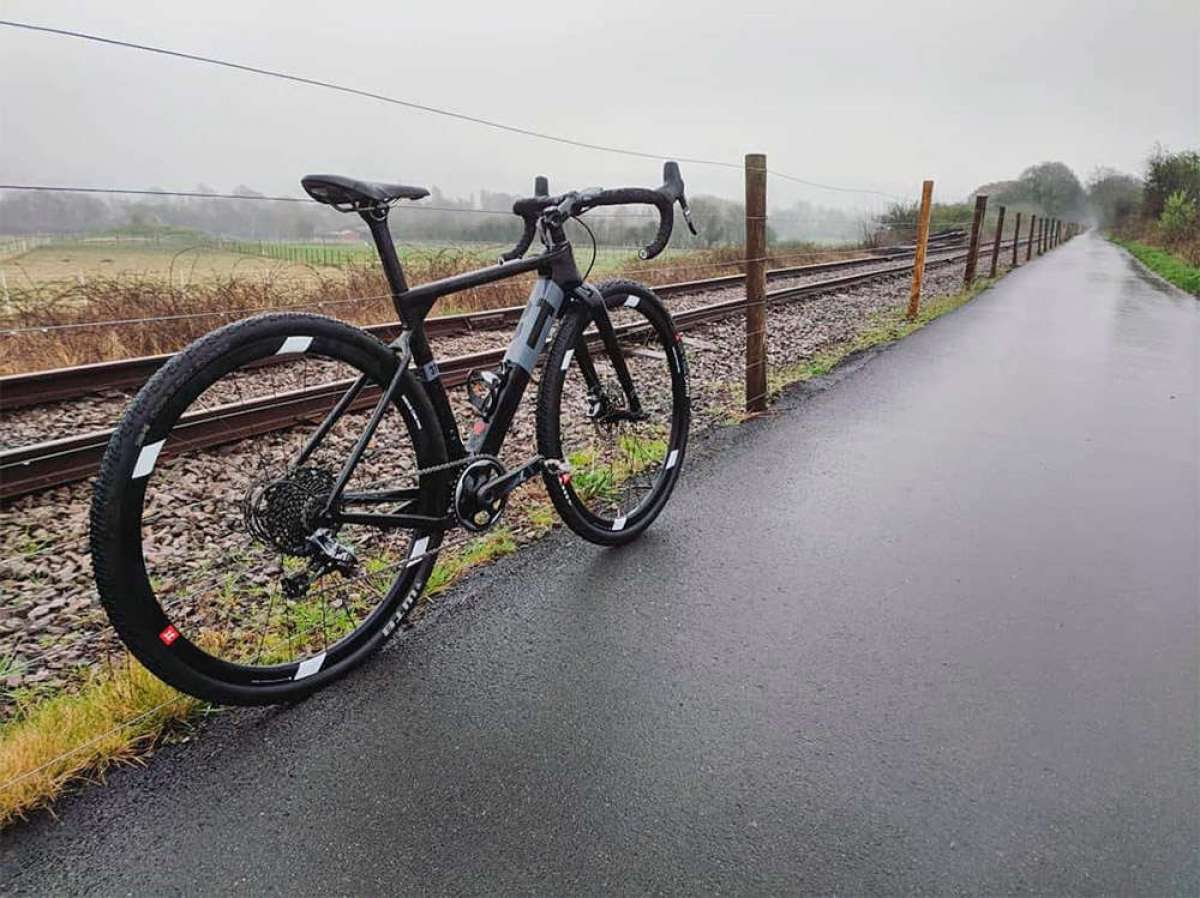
x=205, y=517
x=624, y=462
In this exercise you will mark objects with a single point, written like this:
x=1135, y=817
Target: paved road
x=931, y=630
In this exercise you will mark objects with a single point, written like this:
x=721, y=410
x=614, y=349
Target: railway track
x=40, y=466
x=62, y=384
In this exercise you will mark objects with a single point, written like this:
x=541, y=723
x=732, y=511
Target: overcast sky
x=870, y=95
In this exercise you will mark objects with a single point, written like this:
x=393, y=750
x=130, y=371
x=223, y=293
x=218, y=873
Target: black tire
x=599, y=504
x=134, y=555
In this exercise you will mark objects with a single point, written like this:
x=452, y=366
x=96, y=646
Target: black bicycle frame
x=558, y=284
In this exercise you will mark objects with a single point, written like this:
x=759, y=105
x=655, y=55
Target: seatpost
x=377, y=221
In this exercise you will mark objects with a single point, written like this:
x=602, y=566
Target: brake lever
x=687, y=215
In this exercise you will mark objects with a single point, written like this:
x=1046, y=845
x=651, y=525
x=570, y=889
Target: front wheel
x=624, y=459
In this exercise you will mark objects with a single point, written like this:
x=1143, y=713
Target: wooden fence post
x=976, y=226
x=1029, y=240
x=756, y=282
x=996, y=242
x=1016, y=239
x=914, y=298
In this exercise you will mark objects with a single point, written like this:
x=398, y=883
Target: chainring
x=472, y=514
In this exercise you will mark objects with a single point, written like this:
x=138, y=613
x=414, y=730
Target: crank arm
x=501, y=486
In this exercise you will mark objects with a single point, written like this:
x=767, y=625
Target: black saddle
x=349, y=195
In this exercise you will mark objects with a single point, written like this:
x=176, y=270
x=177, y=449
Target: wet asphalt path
x=931, y=630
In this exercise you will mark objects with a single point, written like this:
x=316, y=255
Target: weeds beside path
x=1166, y=265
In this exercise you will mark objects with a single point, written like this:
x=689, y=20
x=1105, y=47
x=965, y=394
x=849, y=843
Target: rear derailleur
x=327, y=555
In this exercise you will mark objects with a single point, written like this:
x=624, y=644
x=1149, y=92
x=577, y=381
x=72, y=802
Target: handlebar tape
x=529, y=209
x=662, y=198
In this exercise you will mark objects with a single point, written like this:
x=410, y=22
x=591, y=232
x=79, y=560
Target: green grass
x=1166, y=265
x=481, y=550
x=116, y=716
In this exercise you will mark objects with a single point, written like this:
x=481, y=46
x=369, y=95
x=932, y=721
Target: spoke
x=263, y=637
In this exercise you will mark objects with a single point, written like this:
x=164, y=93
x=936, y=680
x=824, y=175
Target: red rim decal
x=169, y=635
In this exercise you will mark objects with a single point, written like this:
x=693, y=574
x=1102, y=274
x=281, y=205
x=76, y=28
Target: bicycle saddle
x=349, y=195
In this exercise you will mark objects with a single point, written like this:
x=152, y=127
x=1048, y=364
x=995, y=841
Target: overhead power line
x=421, y=107
x=48, y=188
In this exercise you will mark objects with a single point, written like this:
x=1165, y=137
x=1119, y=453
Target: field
x=81, y=301
x=181, y=262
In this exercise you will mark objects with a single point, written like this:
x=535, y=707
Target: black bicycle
x=273, y=501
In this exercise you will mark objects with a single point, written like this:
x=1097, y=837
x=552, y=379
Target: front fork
x=594, y=300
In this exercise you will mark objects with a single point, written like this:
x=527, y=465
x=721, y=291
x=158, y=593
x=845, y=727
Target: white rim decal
x=631, y=302
x=294, y=344
x=412, y=411
x=567, y=359
x=672, y=458
x=418, y=549
x=309, y=666
x=146, y=459
x=619, y=523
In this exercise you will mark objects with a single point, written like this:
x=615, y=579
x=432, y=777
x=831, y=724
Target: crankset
x=485, y=485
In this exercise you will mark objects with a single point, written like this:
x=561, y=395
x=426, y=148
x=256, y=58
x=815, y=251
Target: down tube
x=545, y=301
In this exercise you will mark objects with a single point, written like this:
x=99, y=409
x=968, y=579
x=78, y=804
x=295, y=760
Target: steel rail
x=63, y=384
x=36, y=467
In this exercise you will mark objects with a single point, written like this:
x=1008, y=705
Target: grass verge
x=1166, y=265
x=120, y=712
x=116, y=715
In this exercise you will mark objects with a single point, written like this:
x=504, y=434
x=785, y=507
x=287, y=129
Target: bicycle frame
x=558, y=284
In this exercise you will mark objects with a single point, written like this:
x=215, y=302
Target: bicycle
x=274, y=499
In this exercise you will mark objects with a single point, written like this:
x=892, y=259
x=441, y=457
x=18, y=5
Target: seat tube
x=376, y=220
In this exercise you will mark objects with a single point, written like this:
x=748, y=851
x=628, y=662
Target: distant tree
x=1005, y=192
x=1114, y=197
x=1053, y=187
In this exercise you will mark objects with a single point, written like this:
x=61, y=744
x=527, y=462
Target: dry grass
x=117, y=714
x=152, y=315
x=176, y=262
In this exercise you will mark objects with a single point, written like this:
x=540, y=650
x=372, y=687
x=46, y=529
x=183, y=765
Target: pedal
x=560, y=468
